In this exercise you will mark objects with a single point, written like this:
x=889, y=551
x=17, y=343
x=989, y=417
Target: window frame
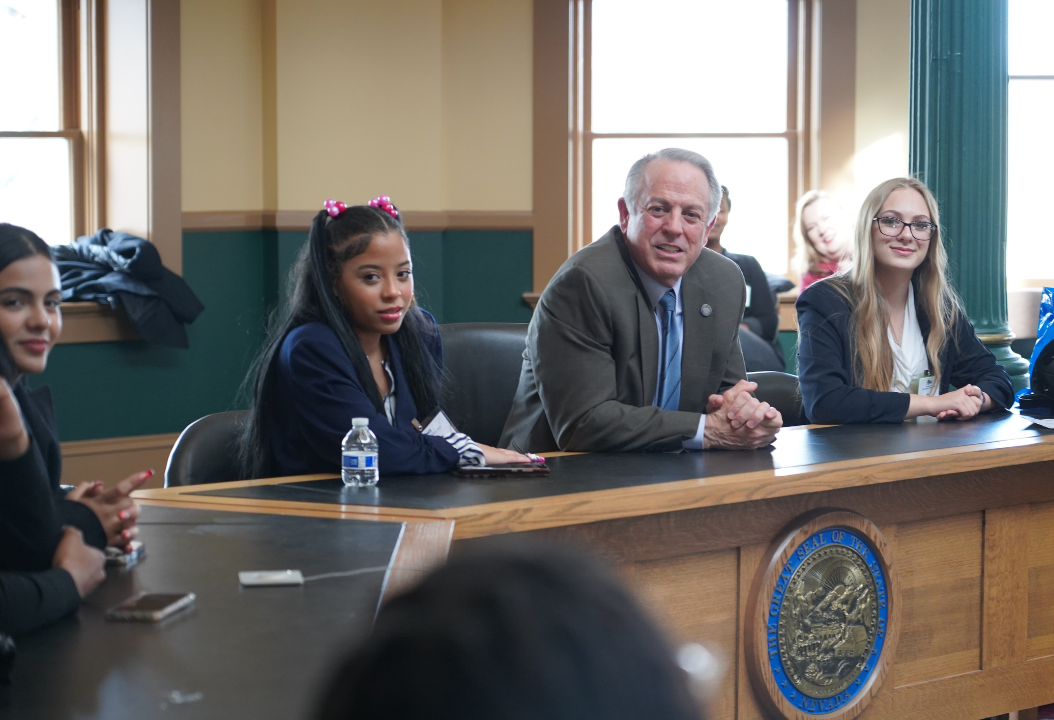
x=563, y=136
x=1037, y=281
x=101, y=199
x=584, y=135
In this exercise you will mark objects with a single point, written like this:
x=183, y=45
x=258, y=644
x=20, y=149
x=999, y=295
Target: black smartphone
x=504, y=470
x=151, y=607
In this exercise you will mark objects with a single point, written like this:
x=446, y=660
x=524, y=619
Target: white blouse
x=909, y=358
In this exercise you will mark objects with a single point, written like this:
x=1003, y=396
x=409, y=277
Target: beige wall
x=883, y=51
x=221, y=105
x=428, y=101
x=487, y=82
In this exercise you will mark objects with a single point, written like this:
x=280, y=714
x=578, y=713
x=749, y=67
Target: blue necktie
x=669, y=395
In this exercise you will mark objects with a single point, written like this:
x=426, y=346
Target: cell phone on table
x=151, y=607
x=504, y=470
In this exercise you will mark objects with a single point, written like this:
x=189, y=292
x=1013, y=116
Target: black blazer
x=825, y=363
x=761, y=315
x=32, y=593
x=39, y=414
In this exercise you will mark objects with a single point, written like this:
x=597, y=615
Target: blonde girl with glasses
x=886, y=340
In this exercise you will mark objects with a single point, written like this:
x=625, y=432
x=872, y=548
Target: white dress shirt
x=909, y=357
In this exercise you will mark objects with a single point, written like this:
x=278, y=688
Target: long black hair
x=512, y=633
x=16, y=243
x=312, y=298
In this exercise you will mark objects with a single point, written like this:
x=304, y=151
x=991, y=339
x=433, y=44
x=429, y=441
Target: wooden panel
x=1040, y=580
x=423, y=547
x=695, y=599
x=940, y=590
x=113, y=459
x=969, y=696
x=1005, y=620
x=747, y=707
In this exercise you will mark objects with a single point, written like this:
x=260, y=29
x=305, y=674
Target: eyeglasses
x=891, y=226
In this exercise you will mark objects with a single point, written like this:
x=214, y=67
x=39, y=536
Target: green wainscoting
x=788, y=340
x=118, y=389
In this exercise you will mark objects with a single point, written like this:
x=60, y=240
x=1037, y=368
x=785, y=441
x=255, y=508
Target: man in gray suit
x=634, y=345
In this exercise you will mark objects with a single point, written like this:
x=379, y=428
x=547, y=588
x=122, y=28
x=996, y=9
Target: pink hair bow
x=385, y=203
x=335, y=207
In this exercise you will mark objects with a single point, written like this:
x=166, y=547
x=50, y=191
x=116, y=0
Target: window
x=722, y=91
x=40, y=143
x=1030, y=238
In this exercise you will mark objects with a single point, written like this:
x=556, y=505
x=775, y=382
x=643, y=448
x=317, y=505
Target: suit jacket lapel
x=647, y=332
x=698, y=344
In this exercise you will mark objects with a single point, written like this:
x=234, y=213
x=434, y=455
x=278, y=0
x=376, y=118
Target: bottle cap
x=360, y=422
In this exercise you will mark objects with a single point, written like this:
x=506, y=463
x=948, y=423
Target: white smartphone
x=270, y=578
x=151, y=607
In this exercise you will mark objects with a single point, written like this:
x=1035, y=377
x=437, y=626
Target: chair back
x=781, y=391
x=483, y=362
x=204, y=451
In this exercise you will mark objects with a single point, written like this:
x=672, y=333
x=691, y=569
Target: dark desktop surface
x=604, y=471
x=240, y=652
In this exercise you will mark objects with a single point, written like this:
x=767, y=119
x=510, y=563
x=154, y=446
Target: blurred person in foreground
x=514, y=633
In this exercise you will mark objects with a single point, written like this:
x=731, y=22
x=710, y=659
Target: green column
x=959, y=82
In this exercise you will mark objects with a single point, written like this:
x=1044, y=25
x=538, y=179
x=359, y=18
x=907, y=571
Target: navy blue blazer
x=318, y=392
x=825, y=364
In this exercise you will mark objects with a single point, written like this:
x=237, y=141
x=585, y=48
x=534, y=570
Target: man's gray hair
x=635, y=178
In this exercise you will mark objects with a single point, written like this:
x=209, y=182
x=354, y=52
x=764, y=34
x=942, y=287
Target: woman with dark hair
x=514, y=634
x=885, y=341
x=52, y=567
x=30, y=323
x=353, y=343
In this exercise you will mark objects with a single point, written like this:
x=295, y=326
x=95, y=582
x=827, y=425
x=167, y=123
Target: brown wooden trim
x=77, y=448
x=87, y=322
x=93, y=112
x=165, y=137
x=300, y=220
x=228, y=220
x=551, y=170
x=646, y=500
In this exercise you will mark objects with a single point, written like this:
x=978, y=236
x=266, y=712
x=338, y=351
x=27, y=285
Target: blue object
x=820, y=542
x=669, y=395
x=1045, y=330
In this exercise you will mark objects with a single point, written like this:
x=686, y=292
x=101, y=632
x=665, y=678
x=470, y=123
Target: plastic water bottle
x=359, y=467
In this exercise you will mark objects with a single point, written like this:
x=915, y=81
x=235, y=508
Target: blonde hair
x=873, y=366
x=806, y=257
